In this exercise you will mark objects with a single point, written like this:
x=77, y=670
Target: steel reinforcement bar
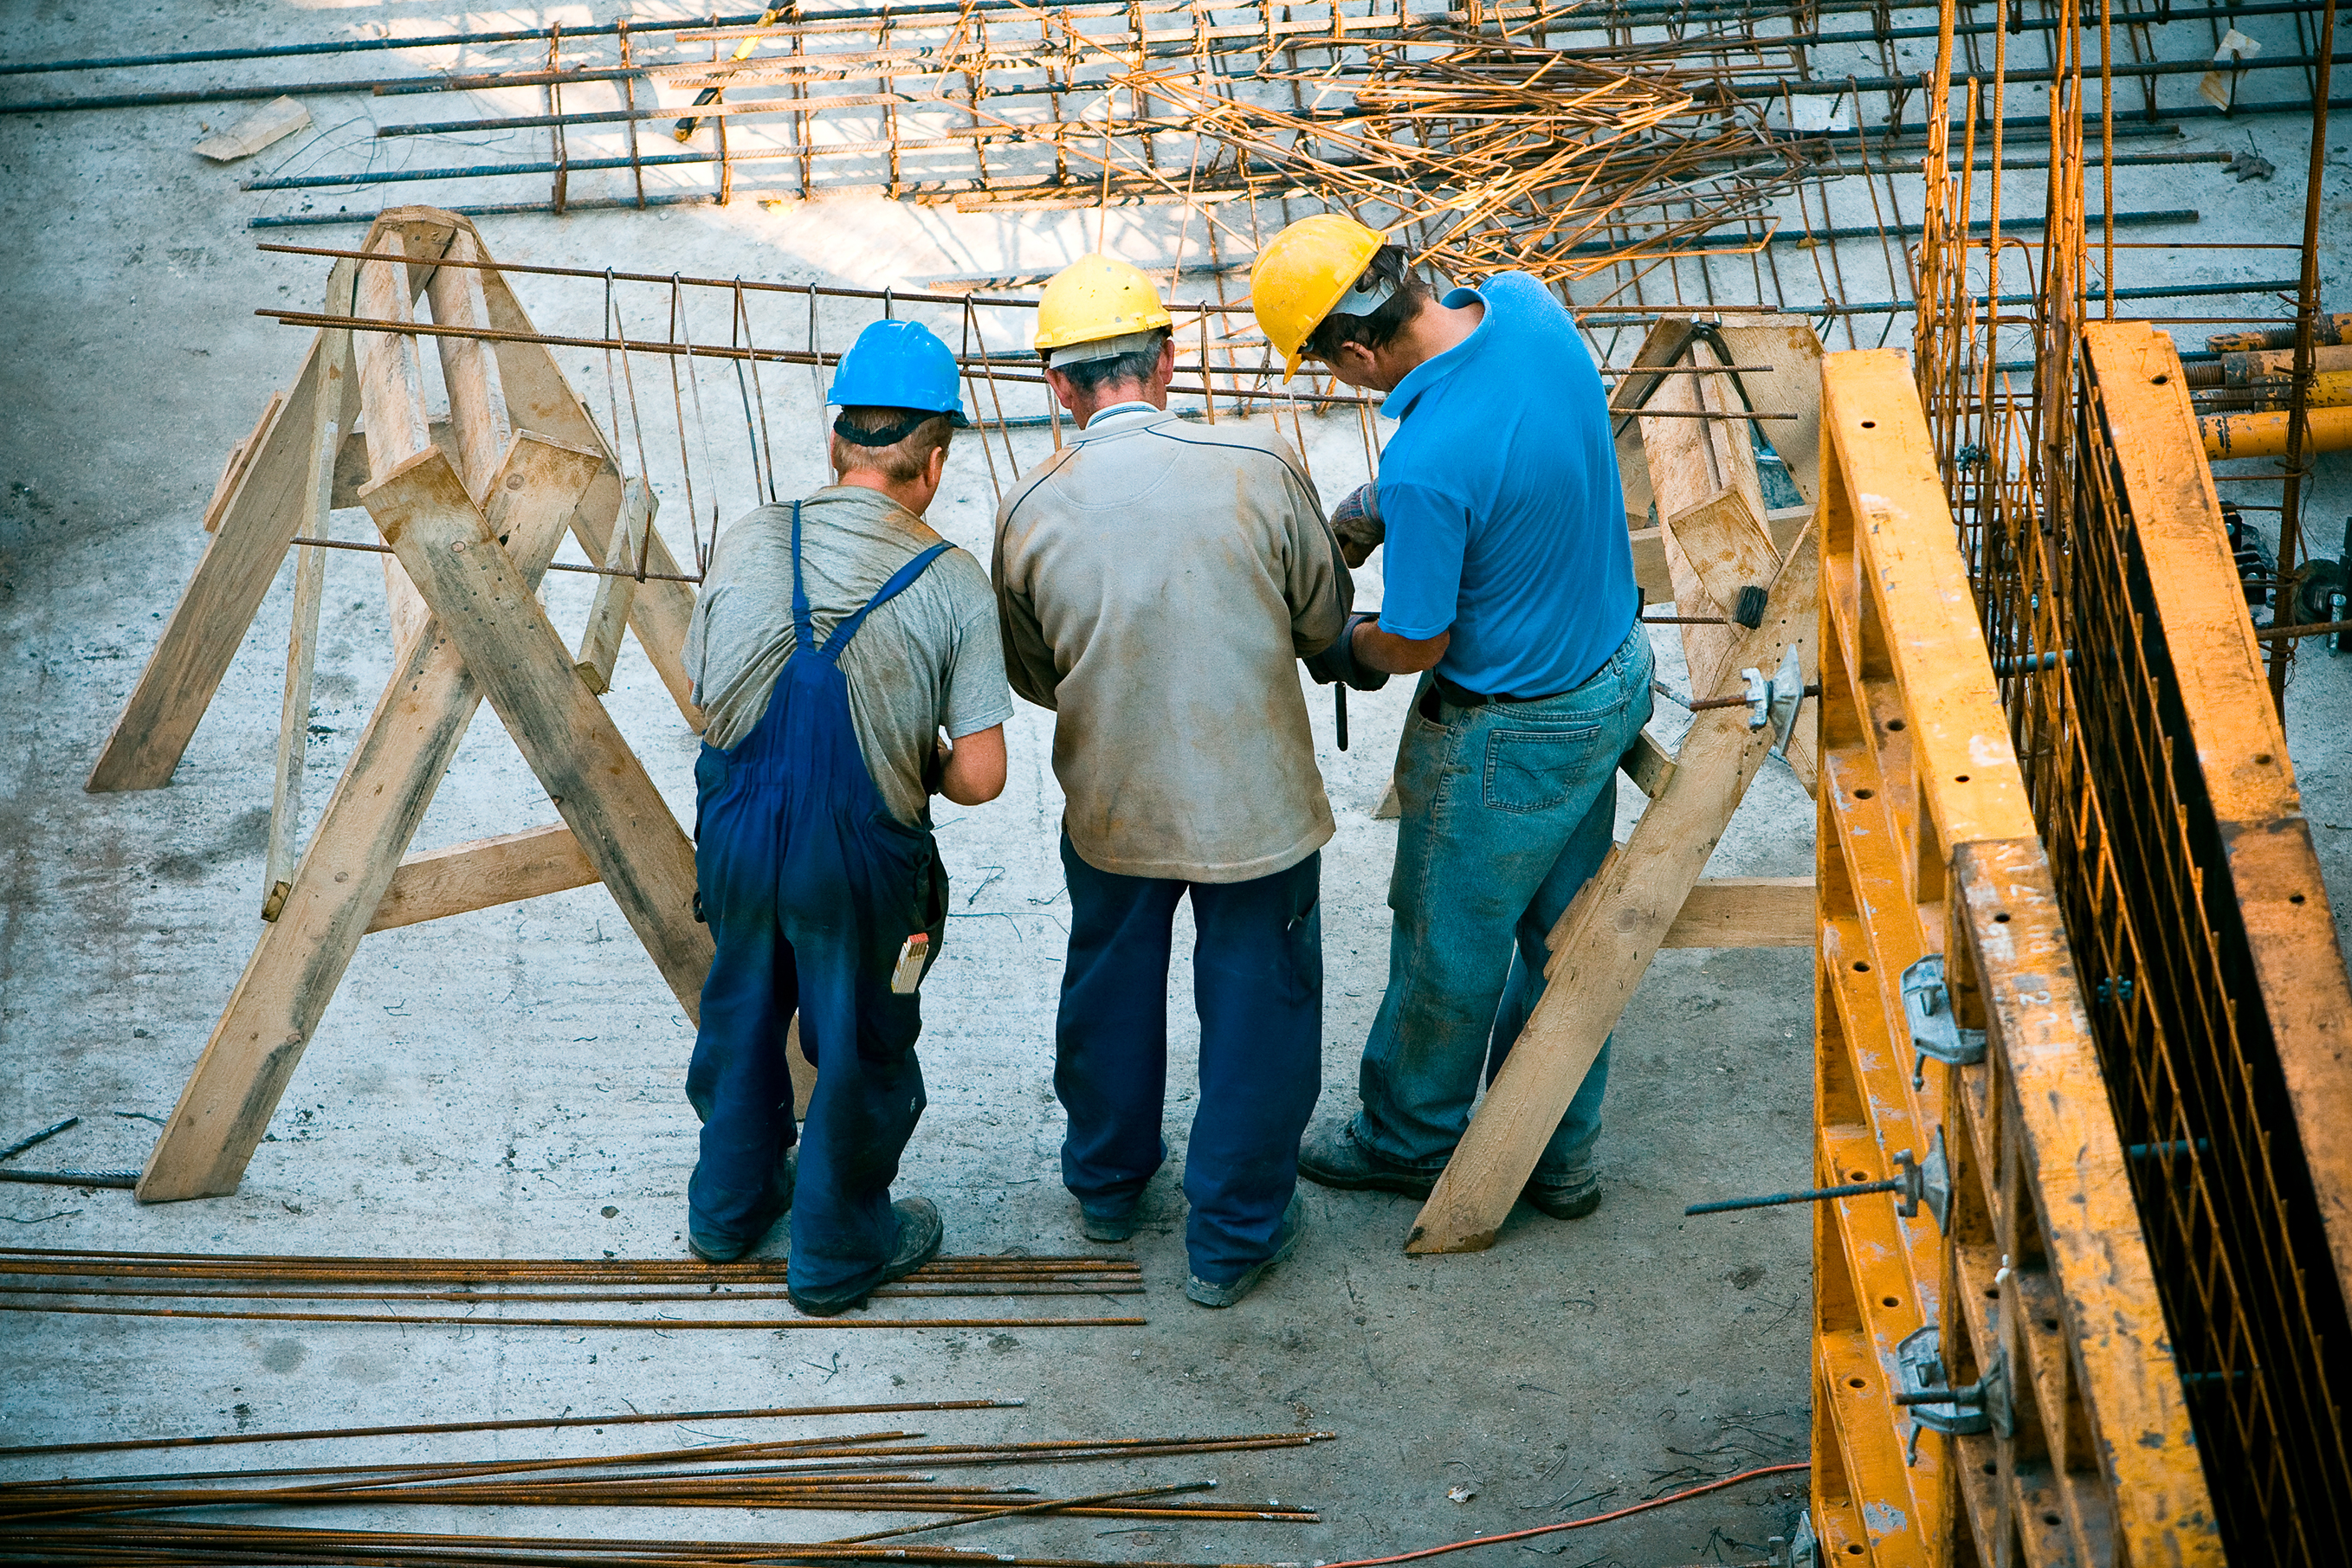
x=2006, y=1331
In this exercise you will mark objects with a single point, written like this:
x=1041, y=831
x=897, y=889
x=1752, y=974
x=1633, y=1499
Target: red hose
x=1573, y=1524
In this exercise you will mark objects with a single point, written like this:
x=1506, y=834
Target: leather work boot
x=1286, y=1242
x=921, y=1232
x=1335, y=1159
x=1111, y=1224
x=1571, y=1198
x=713, y=1248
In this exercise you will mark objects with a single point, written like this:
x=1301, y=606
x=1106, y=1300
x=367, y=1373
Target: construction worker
x=1509, y=590
x=834, y=640
x=1157, y=582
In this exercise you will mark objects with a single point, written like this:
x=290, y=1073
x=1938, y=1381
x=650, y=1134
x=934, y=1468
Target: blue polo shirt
x=1506, y=522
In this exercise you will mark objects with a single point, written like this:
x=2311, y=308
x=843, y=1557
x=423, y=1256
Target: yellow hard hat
x=1303, y=274
x=1096, y=299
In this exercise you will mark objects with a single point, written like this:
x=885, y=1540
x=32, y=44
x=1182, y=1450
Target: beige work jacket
x=1157, y=582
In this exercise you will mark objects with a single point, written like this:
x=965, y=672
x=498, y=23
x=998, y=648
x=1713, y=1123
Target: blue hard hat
x=898, y=364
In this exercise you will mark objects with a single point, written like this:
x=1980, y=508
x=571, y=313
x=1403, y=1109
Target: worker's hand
x=1355, y=523
x=1337, y=662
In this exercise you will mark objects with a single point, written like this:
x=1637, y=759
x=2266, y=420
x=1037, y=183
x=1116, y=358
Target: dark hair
x=903, y=460
x=1409, y=293
x=1089, y=376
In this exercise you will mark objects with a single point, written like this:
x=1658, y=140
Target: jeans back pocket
x=1538, y=769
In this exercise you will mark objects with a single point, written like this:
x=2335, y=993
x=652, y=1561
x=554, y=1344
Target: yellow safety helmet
x=1097, y=304
x=1303, y=275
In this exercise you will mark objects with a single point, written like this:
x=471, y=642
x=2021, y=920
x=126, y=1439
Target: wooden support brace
x=1744, y=912
x=408, y=744
x=484, y=605
x=482, y=872
x=301, y=661
x=608, y=617
x=1605, y=940
x=271, y=501
x=392, y=402
x=478, y=398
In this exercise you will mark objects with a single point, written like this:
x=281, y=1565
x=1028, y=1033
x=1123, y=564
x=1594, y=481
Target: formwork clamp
x=1775, y=701
x=1935, y=1028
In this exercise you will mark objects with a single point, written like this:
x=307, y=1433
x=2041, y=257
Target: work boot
x=714, y=1247
x=1108, y=1222
x=1572, y=1197
x=1337, y=1159
x=919, y=1235
x=1286, y=1242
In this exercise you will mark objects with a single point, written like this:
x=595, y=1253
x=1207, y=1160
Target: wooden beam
x=301, y=661
x=484, y=605
x=1786, y=526
x=392, y=402
x=239, y=457
x=608, y=616
x=478, y=400
x=1745, y=912
x=1645, y=762
x=1605, y=940
x=482, y=873
x=239, y=563
x=408, y=744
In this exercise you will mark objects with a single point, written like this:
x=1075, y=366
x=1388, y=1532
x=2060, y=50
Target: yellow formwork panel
x=1927, y=845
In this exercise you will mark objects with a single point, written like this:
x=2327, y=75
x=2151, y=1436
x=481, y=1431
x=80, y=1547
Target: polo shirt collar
x=1431, y=372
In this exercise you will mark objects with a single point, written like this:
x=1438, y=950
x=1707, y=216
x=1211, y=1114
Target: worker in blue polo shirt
x=1510, y=590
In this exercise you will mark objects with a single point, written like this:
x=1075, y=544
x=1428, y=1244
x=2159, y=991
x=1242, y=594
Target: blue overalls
x=811, y=887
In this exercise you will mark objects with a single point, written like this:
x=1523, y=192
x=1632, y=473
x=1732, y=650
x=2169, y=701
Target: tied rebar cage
x=2184, y=1034
x=2070, y=453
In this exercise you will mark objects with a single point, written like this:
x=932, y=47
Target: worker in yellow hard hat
x=1509, y=588
x=1156, y=584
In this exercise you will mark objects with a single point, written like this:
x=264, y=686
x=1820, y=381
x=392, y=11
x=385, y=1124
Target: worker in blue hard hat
x=848, y=667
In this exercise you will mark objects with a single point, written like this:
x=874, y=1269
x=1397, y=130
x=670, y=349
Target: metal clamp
x=1775, y=702
x=1915, y=1182
x=1981, y=1406
x=1935, y=1029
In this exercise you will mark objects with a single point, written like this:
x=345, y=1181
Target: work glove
x=1356, y=524
x=1337, y=662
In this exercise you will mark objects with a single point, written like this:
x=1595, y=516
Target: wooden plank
x=273, y=121
x=2240, y=749
x=1793, y=386
x=2006, y=916
x=301, y=661
x=478, y=400
x=1744, y=912
x=1737, y=554
x=608, y=616
x=1912, y=572
x=408, y=744
x=1603, y=945
x=239, y=457
x=1786, y=527
x=271, y=502
x=391, y=402
x=485, y=606
x=1645, y=762
x=482, y=872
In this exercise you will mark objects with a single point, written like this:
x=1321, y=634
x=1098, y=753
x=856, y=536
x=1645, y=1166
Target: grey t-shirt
x=931, y=657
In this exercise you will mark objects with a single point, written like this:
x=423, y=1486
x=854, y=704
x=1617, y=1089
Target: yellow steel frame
x=1927, y=844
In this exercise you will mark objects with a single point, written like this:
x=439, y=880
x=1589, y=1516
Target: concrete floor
x=509, y=1082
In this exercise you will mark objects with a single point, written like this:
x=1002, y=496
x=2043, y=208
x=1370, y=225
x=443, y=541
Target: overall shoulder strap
x=802, y=637
x=898, y=583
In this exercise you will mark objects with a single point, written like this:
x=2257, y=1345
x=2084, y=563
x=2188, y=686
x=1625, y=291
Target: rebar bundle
x=107, y=1284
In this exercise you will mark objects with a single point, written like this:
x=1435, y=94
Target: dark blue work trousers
x=1257, y=983
x=811, y=888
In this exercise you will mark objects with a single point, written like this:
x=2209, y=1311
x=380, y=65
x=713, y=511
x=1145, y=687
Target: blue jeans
x=1257, y=983
x=1508, y=808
